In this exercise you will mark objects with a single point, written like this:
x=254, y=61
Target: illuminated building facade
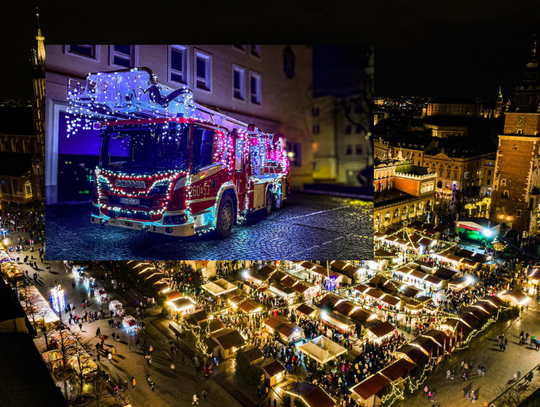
x=403, y=192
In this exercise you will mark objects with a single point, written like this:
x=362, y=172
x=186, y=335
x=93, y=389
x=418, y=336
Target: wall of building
x=285, y=103
x=386, y=216
x=453, y=109
x=517, y=173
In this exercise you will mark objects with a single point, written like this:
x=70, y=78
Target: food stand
x=117, y=308
x=130, y=323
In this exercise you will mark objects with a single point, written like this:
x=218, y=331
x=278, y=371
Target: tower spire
x=500, y=93
x=40, y=44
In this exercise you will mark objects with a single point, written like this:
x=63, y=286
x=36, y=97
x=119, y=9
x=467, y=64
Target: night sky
x=425, y=48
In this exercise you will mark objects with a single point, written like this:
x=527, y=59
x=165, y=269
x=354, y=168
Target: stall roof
x=345, y=307
x=329, y=297
x=418, y=274
x=229, y=338
x=390, y=300
x=351, y=270
x=312, y=394
x=287, y=329
x=445, y=273
x=282, y=289
x=266, y=271
x=519, y=297
x=199, y=315
x=173, y=295
x=427, y=344
x=438, y=336
x=433, y=280
x=254, y=354
x=274, y=322
x=398, y=369
x=362, y=288
x=305, y=309
x=300, y=288
x=273, y=368
x=371, y=386
x=250, y=305
x=479, y=313
x=322, y=349
x=497, y=301
x=219, y=287
x=373, y=292
x=404, y=270
x=338, y=265
x=411, y=291
x=183, y=303
x=333, y=318
x=307, y=265
x=215, y=325
x=382, y=329
x=413, y=353
x=361, y=315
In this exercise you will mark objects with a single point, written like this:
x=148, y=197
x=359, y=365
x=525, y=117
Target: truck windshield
x=154, y=147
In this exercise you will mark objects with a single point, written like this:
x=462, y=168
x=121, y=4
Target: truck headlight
x=175, y=219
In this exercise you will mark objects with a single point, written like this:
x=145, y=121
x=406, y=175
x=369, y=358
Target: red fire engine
x=169, y=165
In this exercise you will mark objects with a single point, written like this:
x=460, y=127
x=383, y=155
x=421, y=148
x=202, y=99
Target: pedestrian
x=150, y=349
x=110, y=357
x=448, y=374
x=98, y=332
x=98, y=355
x=195, y=399
x=133, y=382
x=80, y=326
x=426, y=389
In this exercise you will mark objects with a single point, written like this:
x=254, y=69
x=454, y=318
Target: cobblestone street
x=309, y=226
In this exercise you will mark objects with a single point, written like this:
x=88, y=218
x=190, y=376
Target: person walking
x=133, y=382
x=98, y=332
x=195, y=399
x=426, y=390
x=110, y=357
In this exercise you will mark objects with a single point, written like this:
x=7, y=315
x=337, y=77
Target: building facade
x=454, y=107
x=341, y=146
x=267, y=85
x=516, y=197
x=403, y=192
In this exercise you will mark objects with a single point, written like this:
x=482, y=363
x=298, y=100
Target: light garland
x=135, y=99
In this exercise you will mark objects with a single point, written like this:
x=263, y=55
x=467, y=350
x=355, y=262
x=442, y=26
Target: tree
x=511, y=395
x=251, y=374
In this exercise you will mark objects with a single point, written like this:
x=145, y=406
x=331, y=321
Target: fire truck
x=172, y=166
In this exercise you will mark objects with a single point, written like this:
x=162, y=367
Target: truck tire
x=269, y=203
x=225, y=217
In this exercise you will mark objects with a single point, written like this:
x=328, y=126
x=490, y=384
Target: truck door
x=239, y=170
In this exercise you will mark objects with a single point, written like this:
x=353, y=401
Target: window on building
x=315, y=129
x=348, y=149
x=178, y=66
x=85, y=51
x=359, y=149
x=315, y=111
x=28, y=189
x=348, y=129
x=255, y=50
x=447, y=174
x=466, y=175
x=256, y=89
x=489, y=172
x=203, y=71
x=358, y=129
x=239, y=79
x=295, y=153
x=489, y=182
x=503, y=182
x=122, y=55
x=518, y=213
x=506, y=194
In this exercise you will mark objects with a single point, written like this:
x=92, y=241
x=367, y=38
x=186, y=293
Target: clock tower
x=516, y=186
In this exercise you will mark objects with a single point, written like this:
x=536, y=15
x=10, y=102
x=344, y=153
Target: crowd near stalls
x=436, y=293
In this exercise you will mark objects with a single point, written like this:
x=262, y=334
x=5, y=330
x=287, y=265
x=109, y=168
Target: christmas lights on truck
x=169, y=165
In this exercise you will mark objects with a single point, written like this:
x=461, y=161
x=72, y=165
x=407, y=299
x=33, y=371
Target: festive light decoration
x=139, y=117
x=58, y=299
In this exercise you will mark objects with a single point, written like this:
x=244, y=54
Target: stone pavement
x=309, y=226
x=501, y=366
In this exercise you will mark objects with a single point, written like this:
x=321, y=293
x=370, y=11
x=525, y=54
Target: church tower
x=498, y=105
x=517, y=169
x=38, y=78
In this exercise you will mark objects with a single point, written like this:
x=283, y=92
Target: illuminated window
x=84, y=51
x=239, y=79
x=178, y=64
x=123, y=55
x=203, y=71
x=256, y=88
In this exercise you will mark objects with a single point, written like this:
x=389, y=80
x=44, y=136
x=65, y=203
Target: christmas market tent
x=311, y=394
x=219, y=287
x=398, y=370
x=274, y=372
x=42, y=311
x=322, y=349
x=371, y=390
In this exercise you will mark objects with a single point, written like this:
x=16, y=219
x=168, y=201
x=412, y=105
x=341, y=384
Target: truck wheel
x=269, y=203
x=225, y=217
